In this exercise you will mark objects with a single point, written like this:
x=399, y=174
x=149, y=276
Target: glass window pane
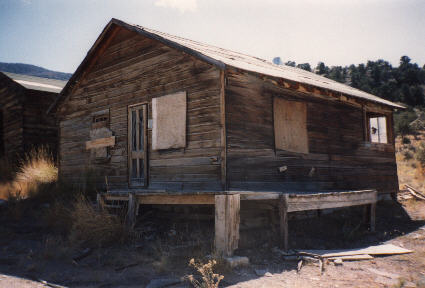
x=374, y=133
x=141, y=132
x=133, y=168
x=382, y=125
x=141, y=167
x=133, y=130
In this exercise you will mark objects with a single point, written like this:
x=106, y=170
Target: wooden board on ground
x=352, y=257
x=385, y=249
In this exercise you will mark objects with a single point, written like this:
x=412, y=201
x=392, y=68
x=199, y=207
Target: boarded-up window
x=290, y=125
x=378, y=129
x=169, y=121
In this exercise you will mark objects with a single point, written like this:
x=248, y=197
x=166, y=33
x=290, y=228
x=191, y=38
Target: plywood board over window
x=169, y=121
x=290, y=125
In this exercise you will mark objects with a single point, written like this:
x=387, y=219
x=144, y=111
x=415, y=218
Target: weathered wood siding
x=40, y=129
x=25, y=124
x=134, y=69
x=11, y=96
x=338, y=157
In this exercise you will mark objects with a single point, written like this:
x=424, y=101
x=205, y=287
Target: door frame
x=144, y=106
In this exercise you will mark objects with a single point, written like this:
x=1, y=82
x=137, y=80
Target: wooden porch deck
x=227, y=207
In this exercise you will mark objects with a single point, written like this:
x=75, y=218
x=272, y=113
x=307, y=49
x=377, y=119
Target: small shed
x=165, y=120
x=24, y=101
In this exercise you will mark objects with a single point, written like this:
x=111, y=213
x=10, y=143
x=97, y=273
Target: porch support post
x=372, y=217
x=132, y=210
x=283, y=213
x=100, y=201
x=227, y=218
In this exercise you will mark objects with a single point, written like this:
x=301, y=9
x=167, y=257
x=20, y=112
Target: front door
x=137, y=145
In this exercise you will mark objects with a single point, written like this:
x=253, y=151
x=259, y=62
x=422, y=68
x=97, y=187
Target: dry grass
x=94, y=228
x=35, y=170
x=209, y=278
x=410, y=170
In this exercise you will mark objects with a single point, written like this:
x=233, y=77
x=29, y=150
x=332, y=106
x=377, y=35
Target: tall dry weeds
x=36, y=170
x=94, y=228
x=411, y=169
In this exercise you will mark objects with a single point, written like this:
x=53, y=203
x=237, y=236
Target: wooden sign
x=100, y=143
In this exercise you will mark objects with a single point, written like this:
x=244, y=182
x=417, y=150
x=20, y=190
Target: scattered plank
x=385, y=249
x=415, y=192
x=86, y=252
x=121, y=268
x=352, y=257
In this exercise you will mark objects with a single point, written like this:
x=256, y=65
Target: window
x=290, y=125
x=169, y=121
x=378, y=129
x=100, y=119
x=101, y=138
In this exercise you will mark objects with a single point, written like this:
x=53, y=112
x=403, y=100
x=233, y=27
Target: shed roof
x=226, y=58
x=37, y=83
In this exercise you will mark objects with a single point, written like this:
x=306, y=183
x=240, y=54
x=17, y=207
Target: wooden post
x=100, y=201
x=132, y=210
x=366, y=215
x=372, y=217
x=227, y=208
x=283, y=212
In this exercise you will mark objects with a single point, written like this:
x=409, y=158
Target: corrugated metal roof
x=257, y=65
x=37, y=83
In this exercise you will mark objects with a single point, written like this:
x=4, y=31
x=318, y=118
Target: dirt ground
x=31, y=255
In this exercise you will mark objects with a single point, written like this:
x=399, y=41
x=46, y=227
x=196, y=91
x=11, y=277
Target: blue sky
x=56, y=34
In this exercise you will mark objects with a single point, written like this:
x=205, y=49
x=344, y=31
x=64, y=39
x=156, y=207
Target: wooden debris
x=86, y=252
x=236, y=261
x=338, y=262
x=299, y=266
x=44, y=282
x=352, y=257
x=415, y=192
x=385, y=249
x=121, y=268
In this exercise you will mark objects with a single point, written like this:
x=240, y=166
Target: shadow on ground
x=164, y=243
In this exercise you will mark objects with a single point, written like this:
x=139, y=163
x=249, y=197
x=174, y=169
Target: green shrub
x=405, y=140
x=402, y=122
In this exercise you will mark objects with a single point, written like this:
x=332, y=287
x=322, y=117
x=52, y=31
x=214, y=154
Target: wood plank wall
x=338, y=157
x=11, y=97
x=25, y=122
x=40, y=129
x=132, y=70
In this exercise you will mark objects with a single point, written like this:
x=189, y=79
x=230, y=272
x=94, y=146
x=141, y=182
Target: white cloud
x=181, y=5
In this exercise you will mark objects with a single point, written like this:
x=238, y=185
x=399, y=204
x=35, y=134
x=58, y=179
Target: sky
x=56, y=34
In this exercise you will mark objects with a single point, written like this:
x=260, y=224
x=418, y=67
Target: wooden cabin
x=25, y=125
x=174, y=121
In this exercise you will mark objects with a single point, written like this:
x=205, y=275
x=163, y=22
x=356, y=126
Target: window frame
x=368, y=115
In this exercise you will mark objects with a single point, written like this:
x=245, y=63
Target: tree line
x=404, y=84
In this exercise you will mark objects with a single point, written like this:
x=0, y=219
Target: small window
x=378, y=129
x=100, y=120
x=290, y=125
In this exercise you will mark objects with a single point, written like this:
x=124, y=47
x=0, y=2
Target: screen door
x=137, y=145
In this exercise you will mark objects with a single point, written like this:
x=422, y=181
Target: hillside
x=32, y=70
